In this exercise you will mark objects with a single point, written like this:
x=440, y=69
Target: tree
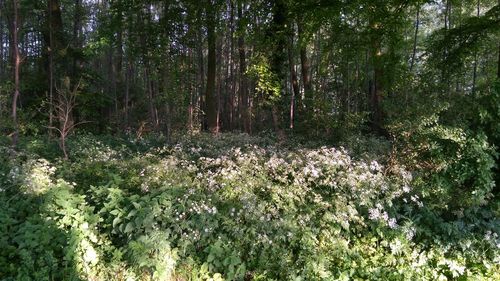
x=244, y=99
x=305, y=64
x=317, y=66
x=55, y=43
x=16, y=64
x=64, y=108
x=210, y=95
x=278, y=34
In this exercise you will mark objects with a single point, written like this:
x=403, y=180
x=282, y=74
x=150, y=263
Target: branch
x=79, y=123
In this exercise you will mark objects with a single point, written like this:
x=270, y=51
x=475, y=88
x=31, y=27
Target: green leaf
x=129, y=228
x=116, y=221
x=132, y=213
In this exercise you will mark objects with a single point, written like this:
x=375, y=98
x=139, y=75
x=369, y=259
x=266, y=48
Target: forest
x=212, y=140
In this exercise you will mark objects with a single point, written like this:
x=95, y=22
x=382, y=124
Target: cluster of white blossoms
x=409, y=232
x=93, y=150
x=492, y=238
x=263, y=238
x=201, y=207
x=35, y=175
x=192, y=234
x=396, y=246
x=275, y=190
x=455, y=268
x=378, y=214
x=303, y=174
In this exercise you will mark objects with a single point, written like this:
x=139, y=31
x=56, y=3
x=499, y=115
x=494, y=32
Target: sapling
x=64, y=105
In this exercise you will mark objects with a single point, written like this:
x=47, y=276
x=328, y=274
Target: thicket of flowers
x=232, y=207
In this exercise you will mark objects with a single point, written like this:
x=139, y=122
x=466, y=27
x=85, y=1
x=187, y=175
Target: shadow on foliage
x=33, y=245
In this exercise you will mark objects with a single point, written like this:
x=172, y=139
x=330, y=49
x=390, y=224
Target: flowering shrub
x=231, y=208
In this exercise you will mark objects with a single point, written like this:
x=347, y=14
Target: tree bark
x=200, y=99
x=17, y=63
x=145, y=21
x=278, y=58
x=415, y=39
x=57, y=66
x=168, y=106
x=295, y=83
x=377, y=85
x=348, y=88
x=118, y=64
x=245, y=116
x=377, y=92
x=474, y=74
x=128, y=75
x=192, y=91
x=305, y=66
x=76, y=35
x=151, y=102
x=219, y=80
x=447, y=26
x=231, y=68
x=498, y=67
x=211, y=101
x=51, y=75
x=57, y=42
x=1, y=45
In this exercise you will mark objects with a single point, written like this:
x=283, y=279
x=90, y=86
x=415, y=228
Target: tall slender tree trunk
x=447, y=26
x=295, y=83
x=1, y=45
x=220, y=96
x=415, y=39
x=128, y=75
x=244, y=108
x=17, y=63
x=200, y=100
x=278, y=58
x=118, y=66
x=474, y=74
x=151, y=102
x=498, y=61
x=498, y=67
x=305, y=67
x=168, y=107
x=231, y=67
x=377, y=93
x=276, y=115
x=348, y=88
x=76, y=35
x=56, y=25
x=148, y=81
x=112, y=81
x=377, y=85
x=51, y=75
x=58, y=66
x=191, y=91
x=211, y=100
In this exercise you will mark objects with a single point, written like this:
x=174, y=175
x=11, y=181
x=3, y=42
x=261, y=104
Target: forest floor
x=231, y=207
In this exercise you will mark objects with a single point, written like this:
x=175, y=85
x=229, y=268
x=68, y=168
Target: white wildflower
x=392, y=223
x=374, y=214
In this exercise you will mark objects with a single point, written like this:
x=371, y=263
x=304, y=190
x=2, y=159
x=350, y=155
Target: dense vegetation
x=249, y=140
x=236, y=207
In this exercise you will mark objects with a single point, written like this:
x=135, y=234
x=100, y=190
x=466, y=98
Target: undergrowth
x=234, y=207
